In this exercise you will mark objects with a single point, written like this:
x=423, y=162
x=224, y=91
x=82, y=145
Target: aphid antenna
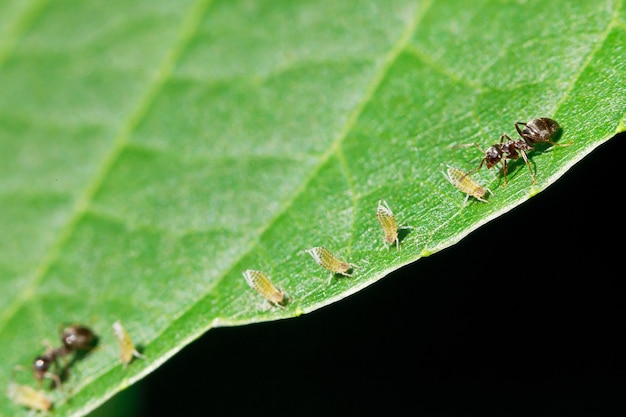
x=477, y=198
x=383, y=203
x=446, y=176
x=466, y=200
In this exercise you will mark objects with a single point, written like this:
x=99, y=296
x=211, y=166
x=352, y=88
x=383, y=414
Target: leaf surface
x=152, y=151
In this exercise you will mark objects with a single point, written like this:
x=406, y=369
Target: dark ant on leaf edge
x=540, y=130
x=77, y=339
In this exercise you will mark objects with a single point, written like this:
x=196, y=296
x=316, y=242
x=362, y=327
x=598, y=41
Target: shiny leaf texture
x=152, y=151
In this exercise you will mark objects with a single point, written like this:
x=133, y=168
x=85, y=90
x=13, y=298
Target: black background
x=535, y=328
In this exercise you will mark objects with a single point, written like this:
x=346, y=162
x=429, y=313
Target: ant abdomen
x=78, y=337
x=538, y=130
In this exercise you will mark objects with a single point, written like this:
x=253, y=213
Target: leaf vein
x=19, y=28
x=334, y=149
x=613, y=22
x=188, y=28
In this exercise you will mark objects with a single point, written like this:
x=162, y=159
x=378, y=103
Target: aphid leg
x=479, y=198
x=401, y=237
x=348, y=267
x=332, y=274
x=137, y=355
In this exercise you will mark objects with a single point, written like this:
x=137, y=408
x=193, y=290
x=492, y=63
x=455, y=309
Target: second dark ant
x=540, y=130
x=77, y=339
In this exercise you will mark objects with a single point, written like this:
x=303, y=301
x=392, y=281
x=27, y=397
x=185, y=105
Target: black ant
x=77, y=339
x=540, y=130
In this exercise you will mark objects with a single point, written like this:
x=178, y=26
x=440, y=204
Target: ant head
x=493, y=155
x=41, y=365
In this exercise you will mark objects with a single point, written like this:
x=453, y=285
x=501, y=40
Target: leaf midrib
x=333, y=148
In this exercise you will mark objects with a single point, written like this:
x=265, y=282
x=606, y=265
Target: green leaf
x=152, y=151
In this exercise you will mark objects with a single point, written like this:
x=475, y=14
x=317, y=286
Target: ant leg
x=504, y=171
x=532, y=175
x=56, y=379
x=467, y=145
x=470, y=172
x=559, y=144
x=505, y=136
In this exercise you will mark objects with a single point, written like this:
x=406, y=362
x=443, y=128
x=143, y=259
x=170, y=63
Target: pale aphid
x=127, y=347
x=387, y=220
x=262, y=284
x=465, y=183
x=327, y=260
x=29, y=397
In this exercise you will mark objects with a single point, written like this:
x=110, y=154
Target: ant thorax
x=520, y=145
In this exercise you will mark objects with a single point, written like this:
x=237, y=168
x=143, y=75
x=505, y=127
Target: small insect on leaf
x=29, y=397
x=327, y=260
x=466, y=184
x=387, y=220
x=262, y=284
x=127, y=347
